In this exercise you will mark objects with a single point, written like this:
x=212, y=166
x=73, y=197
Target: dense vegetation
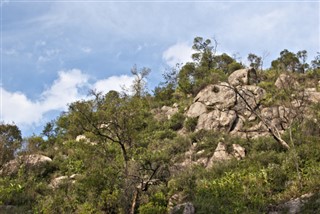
x=125, y=160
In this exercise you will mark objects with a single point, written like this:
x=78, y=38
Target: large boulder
x=29, y=161
x=312, y=95
x=286, y=81
x=220, y=96
x=247, y=76
x=196, y=109
x=217, y=120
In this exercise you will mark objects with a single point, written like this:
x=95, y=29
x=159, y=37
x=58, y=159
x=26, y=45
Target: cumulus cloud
x=177, y=53
x=71, y=85
x=116, y=83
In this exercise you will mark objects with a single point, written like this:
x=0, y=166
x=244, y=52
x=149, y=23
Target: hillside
x=215, y=137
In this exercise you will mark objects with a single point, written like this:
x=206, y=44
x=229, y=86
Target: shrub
x=191, y=123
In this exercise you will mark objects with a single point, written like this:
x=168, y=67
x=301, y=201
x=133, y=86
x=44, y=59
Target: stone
x=169, y=111
x=278, y=116
x=56, y=182
x=238, y=151
x=220, y=154
x=247, y=76
x=196, y=109
x=286, y=81
x=217, y=120
x=312, y=95
x=220, y=96
x=185, y=208
x=30, y=161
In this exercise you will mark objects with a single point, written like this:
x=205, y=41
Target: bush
x=190, y=124
x=176, y=121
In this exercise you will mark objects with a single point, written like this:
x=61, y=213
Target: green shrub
x=191, y=123
x=176, y=121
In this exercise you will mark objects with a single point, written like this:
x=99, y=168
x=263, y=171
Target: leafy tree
x=289, y=61
x=10, y=142
x=255, y=61
x=139, y=84
x=316, y=62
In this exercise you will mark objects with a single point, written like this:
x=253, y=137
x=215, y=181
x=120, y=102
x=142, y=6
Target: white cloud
x=113, y=83
x=70, y=86
x=178, y=53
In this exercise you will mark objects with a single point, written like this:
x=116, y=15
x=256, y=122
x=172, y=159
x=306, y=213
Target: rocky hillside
x=215, y=138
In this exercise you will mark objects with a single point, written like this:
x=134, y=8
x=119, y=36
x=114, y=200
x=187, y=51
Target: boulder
x=238, y=151
x=312, y=95
x=286, y=81
x=220, y=96
x=169, y=111
x=29, y=161
x=185, y=208
x=292, y=206
x=217, y=120
x=196, y=109
x=220, y=154
x=58, y=181
x=247, y=76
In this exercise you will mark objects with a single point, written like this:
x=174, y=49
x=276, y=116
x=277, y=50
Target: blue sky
x=53, y=52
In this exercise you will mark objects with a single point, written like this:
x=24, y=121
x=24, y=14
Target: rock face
x=29, y=161
x=220, y=154
x=285, y=81
x=246, y=76
x=217, y=120
x=312, y=95
x=196, y=109
x=249, y=95
x=219, y=96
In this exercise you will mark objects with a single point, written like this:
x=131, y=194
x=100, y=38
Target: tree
x=289, y=61
x=255, y=61
x=10, y=142
x=139, y=83
x=316, y=62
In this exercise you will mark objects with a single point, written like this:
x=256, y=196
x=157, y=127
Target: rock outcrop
x=220, y=96
x=196, y=109
x=217, y=120
x=236, y=106
x=29, y=161
x=221, y=153
x=247, y=76
x=286, y=81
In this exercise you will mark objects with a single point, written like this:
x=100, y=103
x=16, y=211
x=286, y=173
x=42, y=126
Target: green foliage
x=156, y=205
x=127, y=151
x=176, y=121
x=10, y=142
x=190, y=124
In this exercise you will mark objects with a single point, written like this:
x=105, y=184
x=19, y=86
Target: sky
x=54, y=52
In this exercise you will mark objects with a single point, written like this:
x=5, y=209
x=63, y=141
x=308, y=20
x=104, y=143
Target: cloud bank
x=71, y=85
